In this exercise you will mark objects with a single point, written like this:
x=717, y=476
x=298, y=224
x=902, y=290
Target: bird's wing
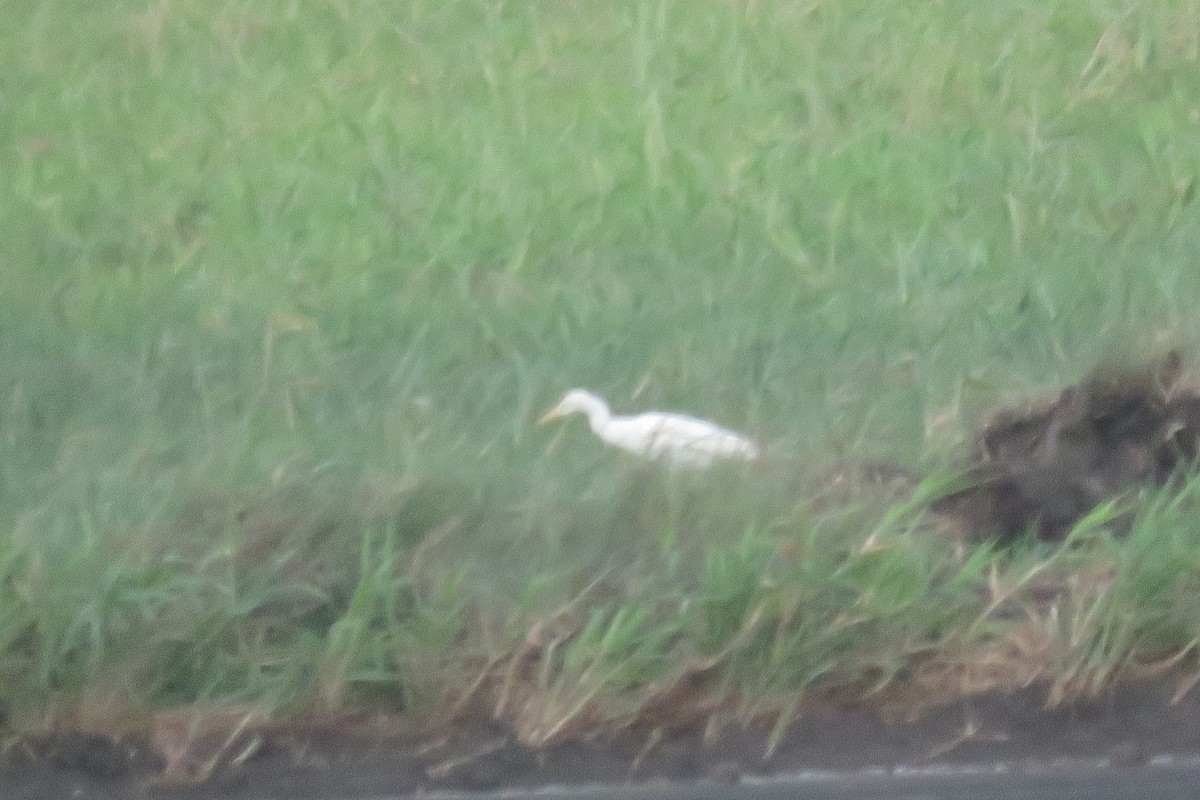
x=689, y=438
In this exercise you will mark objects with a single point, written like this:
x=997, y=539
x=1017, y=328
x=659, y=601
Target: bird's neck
x=597, y=412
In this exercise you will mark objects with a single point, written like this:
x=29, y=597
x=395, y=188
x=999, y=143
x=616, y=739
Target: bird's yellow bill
x=550, y=415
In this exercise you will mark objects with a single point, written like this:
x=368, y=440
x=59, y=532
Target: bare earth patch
x=1047, y=465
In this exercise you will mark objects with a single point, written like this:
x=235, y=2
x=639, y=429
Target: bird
x=657, y=436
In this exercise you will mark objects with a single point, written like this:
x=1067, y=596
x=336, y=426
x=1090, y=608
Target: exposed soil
x=1126, y=726
x=1044, y=466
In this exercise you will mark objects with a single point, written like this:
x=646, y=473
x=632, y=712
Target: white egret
x=658, y=436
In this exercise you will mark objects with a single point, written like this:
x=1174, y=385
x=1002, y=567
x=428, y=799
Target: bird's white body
x=658, y=436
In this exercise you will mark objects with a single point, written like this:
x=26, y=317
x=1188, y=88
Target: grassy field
x=285, y=286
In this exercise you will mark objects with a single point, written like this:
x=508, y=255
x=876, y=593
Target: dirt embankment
x=1127, y=726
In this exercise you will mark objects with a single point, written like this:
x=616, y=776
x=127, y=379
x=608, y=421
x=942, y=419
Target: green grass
x=285, y=286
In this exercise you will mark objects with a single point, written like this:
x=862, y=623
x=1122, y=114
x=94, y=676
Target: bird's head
x=574, y=401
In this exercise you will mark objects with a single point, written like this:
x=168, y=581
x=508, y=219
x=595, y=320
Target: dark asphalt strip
x=1152, y=782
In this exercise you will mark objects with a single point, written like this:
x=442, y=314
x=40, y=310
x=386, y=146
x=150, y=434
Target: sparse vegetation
x=286, y=284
